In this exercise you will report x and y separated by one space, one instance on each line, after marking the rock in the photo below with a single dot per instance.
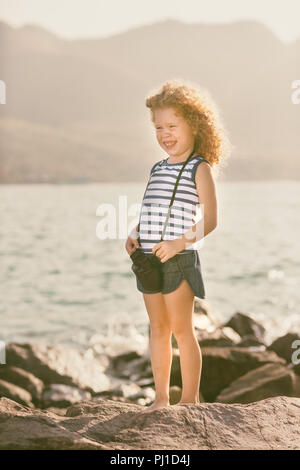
201 306
250 341
24 379
147 395
295 368
133 369
119 361
62 396
222 337
57 411
203 322
283 346
15 393
131 391
175 376
245 325
24 428
265 425
175 395
145 382
221 366
266 381
125 390
59 365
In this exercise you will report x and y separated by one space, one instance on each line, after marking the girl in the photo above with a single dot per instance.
187 125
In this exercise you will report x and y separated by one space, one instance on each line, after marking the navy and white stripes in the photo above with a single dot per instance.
185 210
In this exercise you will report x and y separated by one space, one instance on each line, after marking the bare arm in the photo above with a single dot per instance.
207 196
132 242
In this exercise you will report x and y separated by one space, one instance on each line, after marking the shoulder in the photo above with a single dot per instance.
204 181
155 166
201 165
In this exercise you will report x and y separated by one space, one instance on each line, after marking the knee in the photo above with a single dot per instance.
181 331
160 329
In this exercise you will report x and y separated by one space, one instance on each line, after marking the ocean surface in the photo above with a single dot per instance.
62 284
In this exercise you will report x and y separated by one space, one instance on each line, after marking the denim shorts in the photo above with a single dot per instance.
174 270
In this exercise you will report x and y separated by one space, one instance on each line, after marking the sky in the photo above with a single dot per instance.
99 18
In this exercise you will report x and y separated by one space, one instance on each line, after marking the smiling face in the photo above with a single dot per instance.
173 133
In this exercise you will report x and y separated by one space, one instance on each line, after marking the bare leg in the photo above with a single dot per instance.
180 305
160 348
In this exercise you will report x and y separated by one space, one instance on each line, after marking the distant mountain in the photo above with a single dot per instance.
73 105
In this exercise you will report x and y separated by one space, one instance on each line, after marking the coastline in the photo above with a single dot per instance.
238 370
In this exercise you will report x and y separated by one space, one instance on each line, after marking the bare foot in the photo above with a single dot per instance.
156 405
188 403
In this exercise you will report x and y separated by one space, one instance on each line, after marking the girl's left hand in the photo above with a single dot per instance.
167 249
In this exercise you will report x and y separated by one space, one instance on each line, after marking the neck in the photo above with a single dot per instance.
178 160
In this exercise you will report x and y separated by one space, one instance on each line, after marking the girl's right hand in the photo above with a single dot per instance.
132 243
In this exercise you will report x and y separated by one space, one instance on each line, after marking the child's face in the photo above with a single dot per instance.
172 128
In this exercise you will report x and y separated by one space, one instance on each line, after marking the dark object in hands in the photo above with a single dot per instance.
149 275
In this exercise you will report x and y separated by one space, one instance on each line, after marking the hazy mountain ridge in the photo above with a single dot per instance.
94 90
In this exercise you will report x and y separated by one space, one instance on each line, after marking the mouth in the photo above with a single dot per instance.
170 143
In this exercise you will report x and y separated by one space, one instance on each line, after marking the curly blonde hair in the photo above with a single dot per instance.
197 107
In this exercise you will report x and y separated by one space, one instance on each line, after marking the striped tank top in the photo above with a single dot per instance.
186 210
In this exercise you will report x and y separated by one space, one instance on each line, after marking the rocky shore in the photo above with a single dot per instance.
54 397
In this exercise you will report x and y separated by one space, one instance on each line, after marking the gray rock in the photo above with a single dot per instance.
133 369
131 392
245 325
250 341
145 382
283 346
270 380
24 379
56 364
271 424
57 411
221 366
121 359
15 393
25 428
201 306
62 396
223 336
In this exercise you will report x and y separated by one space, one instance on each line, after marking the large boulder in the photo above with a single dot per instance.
283 346
24 379
221 366
25 428
131 366
15 393
223 336
270 380
245 326
58 365
271 424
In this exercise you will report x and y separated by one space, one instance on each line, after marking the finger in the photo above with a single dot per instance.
156 247
159 252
